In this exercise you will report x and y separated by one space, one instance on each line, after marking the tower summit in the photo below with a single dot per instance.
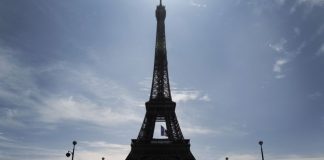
160 90
160 108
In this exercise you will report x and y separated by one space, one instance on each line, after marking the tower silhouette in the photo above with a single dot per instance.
160 108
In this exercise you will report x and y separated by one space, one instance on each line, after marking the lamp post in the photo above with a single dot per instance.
68 154
261 143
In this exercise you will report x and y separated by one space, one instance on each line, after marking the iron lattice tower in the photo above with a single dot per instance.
160 108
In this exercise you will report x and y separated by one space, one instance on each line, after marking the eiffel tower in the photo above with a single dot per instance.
160 108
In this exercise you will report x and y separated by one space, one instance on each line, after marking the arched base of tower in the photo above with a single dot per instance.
160 149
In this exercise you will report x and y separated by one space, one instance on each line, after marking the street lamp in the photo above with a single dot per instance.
261 143
68 154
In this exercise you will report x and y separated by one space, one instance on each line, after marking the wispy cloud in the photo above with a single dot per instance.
251 156
16 89
98 149
182 96
145 84
193 130
196 3
179 95
320 50
285 55
30 151
4 138
229 130
298 157
297 31
78 109
319 31
277 67
104 144
311 2
205 98
280 2
279 46
315 95
98 100
10 118
83 151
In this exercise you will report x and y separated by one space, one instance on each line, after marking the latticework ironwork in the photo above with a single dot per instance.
160 107
164 112
160 90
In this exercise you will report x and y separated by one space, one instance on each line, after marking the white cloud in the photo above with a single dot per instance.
193 130
85 150
98 149
101 144
320 30
280 76
277 68
297 31
179 95
108 154
16 80
229 130
279 47
4 138
293 8
311 2
280 2
278 65
320 50
182 96
298 157
78 109
285 54
205 98
197 4
5 66
24 151
101 102
146 84
9 118
257 156
315 95
18 91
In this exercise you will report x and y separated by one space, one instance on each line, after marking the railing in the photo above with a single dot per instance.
162 141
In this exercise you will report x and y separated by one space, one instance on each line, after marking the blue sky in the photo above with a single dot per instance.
241 71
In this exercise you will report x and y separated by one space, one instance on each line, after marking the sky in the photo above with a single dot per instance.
241 71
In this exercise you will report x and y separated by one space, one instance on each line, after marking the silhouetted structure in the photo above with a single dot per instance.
68 154
261 143
160 108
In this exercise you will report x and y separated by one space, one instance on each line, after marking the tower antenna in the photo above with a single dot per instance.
160 2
